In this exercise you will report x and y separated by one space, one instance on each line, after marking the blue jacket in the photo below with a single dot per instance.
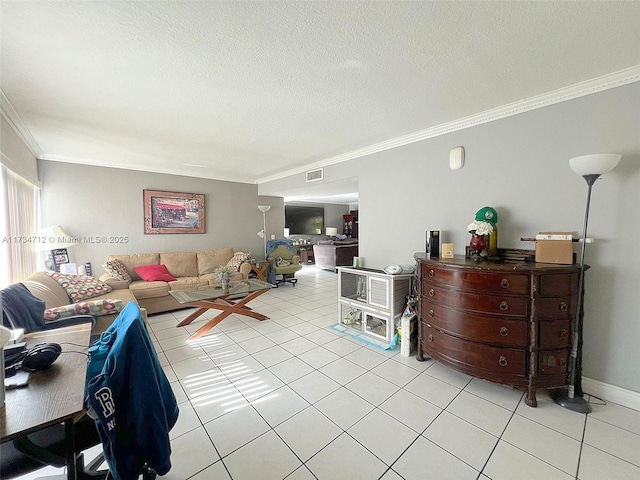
132 400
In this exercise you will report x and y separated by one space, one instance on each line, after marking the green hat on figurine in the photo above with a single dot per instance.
487 214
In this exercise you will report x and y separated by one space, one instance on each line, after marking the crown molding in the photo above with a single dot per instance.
589 87
144 168
18 126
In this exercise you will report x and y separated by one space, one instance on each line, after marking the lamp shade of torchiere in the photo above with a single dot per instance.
263 233
590 167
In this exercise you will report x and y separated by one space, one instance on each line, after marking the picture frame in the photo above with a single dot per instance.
60 257
173 212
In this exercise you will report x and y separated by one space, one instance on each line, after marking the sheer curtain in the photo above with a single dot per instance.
19 204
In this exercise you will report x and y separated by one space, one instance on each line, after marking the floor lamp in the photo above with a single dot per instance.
263 233
590 167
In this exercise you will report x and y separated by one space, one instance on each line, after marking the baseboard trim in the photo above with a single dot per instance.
621 396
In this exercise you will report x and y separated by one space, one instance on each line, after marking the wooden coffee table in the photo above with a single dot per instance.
233 300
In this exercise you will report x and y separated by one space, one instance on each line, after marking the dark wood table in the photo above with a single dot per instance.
53 396
233 300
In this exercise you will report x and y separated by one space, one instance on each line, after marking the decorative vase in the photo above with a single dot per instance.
225 286
478 244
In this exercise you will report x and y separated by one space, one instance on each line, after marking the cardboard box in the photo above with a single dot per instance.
558 248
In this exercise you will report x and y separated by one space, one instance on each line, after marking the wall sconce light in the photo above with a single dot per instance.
456 158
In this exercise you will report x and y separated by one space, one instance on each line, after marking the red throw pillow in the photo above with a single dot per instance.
153 273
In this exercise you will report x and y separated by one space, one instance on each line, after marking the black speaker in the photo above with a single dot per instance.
433 246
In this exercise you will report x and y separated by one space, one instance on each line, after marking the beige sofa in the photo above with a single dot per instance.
191 269
41 285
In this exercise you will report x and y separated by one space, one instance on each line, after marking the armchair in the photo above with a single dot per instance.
285 263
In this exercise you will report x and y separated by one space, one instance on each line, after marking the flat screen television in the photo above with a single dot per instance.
304 220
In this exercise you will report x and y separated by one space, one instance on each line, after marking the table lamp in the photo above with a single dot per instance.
590 167
331 231
53 238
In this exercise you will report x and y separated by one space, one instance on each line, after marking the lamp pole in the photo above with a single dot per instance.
590 167
568 399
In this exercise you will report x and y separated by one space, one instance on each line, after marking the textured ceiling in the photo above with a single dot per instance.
245 91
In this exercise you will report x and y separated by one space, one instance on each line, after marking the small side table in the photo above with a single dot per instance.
306 256
260 269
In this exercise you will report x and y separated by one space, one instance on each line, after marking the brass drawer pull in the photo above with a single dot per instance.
503 361
564 307
430 338
564 333
504 331
432 273
431 313
432 292
562 362
504 283
504 306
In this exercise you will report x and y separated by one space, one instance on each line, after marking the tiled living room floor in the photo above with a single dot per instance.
291 398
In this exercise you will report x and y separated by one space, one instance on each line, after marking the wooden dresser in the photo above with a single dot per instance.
508 322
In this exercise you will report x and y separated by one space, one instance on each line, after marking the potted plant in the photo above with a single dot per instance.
222 276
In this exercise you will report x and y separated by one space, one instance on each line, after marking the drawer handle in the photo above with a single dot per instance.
430 338
504 306
504 283
432 273
564 333
503 361
431 313
562 362
504 331
432 292
564 307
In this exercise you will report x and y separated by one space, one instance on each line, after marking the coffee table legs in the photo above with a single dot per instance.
227 306
260 270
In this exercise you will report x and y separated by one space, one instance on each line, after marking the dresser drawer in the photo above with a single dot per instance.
554 307
474 302
554 285
480 328
553 362
555 334
507 284
493 359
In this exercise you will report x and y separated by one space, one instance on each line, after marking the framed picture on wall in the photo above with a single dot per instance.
173 212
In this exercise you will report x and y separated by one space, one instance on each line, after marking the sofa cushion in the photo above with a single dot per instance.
136 260
117 270
187 282
97 308
80 287
180 264
238 259
154 273
209 260
142 289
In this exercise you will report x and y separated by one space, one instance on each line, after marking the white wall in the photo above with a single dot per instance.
108 202
520 166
